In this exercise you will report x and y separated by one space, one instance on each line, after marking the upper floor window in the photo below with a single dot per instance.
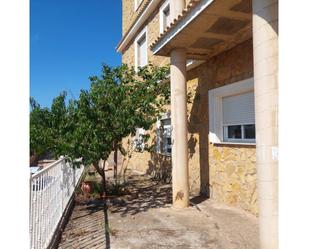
232 113
141 49
137 4
165 16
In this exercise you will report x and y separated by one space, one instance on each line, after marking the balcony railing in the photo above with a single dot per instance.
50 192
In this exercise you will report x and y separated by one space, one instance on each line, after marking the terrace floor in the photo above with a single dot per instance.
145 219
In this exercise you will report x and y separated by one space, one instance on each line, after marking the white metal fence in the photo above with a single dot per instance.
50 192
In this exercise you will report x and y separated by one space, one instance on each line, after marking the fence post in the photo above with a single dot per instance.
62 180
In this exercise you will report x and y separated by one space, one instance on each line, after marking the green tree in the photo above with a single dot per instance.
117 103
40 132
51 128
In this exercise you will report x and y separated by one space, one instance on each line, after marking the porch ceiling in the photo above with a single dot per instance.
207 28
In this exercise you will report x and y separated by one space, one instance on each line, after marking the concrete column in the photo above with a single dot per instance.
265 50
180 129
177 7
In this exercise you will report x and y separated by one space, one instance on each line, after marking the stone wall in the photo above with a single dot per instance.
153 26
225 173
129 13
147 161
233 176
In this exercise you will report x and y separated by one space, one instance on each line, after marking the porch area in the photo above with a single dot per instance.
204 30
145 219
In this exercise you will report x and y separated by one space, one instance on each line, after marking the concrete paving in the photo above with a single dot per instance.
145 219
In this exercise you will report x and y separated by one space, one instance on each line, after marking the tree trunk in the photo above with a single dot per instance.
115 164
102 174
104 181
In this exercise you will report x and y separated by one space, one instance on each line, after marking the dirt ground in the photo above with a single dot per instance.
144 218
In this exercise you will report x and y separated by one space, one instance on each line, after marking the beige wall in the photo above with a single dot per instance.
153 26
227 173
129 13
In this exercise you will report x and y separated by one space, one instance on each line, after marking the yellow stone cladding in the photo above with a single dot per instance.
232 174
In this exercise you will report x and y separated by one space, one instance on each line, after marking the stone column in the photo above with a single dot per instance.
177 7
180 129
265 50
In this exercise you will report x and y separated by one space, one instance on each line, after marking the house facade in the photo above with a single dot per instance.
220 136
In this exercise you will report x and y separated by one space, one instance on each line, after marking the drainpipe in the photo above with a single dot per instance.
265 51
179 119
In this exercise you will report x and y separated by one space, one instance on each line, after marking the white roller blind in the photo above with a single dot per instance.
238 109
142 52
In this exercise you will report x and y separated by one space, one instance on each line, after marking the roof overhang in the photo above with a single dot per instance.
138 23
206 28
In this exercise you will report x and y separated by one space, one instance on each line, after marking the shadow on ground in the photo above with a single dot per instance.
144 195
142 219
89 224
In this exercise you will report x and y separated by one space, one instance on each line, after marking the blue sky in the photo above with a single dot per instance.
69 41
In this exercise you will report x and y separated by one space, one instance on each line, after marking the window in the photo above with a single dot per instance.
238 117
232 114
138 142
164 136
137 4
165 16
141 50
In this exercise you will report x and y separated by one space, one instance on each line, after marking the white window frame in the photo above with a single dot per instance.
237 140
159 126
162 16
137 4
136 41
216 134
